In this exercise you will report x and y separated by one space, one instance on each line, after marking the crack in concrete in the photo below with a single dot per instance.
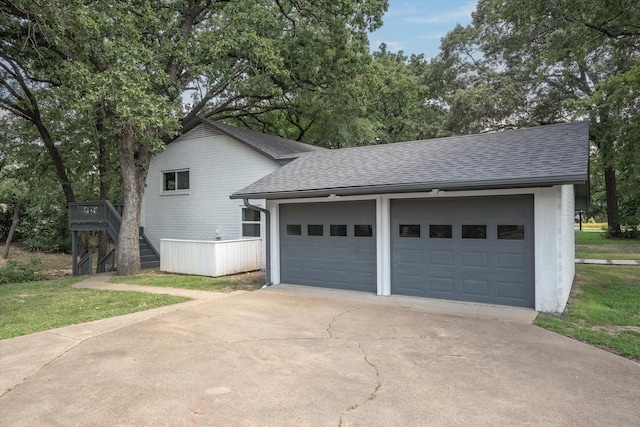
373 394
333 321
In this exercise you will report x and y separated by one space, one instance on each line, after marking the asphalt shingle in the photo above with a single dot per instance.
274 147
543 155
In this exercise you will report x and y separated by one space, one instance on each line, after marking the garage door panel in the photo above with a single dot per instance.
511 261
312 252
440 258
315 274
410 285
334 253
339 276
496 267
296 273
361 278
442 285
475 260
475 288
511 290
333 260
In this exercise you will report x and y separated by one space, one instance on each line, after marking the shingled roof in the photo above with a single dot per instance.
530 157
274 147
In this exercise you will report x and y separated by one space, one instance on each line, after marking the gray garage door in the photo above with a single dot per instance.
331 245
471 249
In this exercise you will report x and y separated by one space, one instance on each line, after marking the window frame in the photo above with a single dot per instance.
175 172
244 222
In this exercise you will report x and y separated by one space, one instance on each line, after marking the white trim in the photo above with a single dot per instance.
175 191
243 222
383 244
329 199
274 208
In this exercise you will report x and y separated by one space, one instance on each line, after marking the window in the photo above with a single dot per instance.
175 180
250 223
338 230
409 230
474 231
440 231
294 230
511 232
315 230
362 230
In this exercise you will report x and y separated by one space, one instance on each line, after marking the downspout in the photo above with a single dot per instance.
267 270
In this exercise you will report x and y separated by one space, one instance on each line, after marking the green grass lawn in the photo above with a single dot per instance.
605 311
245 281
36 306
595 245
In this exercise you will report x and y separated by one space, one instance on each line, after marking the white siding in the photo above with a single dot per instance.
218 166
566 240
210 258
555 247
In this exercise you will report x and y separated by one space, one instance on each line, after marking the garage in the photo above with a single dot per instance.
478 249
331 245
450 218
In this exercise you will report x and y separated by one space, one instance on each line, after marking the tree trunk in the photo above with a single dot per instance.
103 236
613 213
12 229
134 162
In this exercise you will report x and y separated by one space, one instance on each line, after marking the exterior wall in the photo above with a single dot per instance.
210 258
555 247
567 245
218 166
553 230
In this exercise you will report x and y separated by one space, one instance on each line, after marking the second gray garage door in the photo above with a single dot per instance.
331 245
472 249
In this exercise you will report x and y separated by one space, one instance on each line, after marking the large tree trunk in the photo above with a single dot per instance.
604 139
12 229
613 213
134 162
103 236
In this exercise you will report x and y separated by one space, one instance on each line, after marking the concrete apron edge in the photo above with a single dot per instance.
501 313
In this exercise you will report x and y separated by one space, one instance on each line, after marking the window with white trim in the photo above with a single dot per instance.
250 223
176 180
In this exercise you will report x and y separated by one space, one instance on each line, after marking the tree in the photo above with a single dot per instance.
134 62
577 53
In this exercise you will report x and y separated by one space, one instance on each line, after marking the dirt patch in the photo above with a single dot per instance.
616 329
50 265
576 289
246 281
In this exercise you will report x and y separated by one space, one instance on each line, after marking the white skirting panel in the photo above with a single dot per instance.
210 258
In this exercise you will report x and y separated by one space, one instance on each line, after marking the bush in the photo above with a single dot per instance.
17 272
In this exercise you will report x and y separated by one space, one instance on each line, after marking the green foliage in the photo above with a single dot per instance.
119 71
605 312
536 62
26 308
16 271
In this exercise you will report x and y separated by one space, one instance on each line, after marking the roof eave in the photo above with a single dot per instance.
415 188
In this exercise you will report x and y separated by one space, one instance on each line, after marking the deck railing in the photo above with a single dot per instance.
102 215
84 266
108 262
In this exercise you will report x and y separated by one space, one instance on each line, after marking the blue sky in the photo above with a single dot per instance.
416 26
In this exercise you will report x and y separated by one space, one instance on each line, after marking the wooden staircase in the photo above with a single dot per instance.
102 215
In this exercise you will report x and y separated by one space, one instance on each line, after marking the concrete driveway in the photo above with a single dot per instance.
296 356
